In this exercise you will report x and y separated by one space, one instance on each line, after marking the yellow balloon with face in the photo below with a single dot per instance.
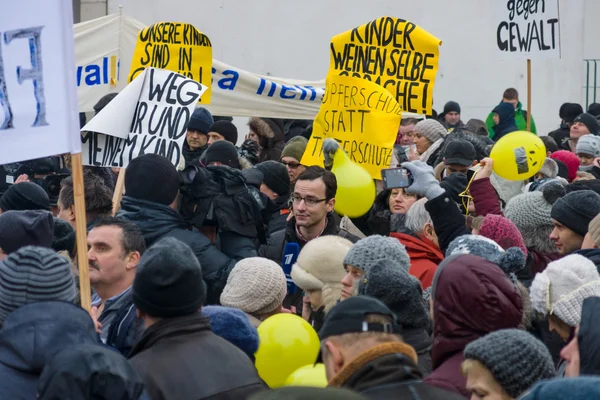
518 156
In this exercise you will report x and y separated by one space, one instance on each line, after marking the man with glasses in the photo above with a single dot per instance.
291 155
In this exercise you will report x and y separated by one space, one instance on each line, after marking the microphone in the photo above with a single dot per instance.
290 255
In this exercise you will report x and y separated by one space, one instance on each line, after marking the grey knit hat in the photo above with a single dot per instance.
576 210
515 358
388 282
32 275
365 253
588 144
256 286
431 129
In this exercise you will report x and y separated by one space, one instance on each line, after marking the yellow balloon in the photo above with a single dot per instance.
287 342
518 156
309 375
355 187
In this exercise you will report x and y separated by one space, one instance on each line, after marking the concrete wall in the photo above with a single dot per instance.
290 39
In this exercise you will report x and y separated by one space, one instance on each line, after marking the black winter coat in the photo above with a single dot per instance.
180 358
448 221
589 337
157 221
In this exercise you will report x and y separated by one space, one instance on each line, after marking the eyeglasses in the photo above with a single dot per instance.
291 165
309 201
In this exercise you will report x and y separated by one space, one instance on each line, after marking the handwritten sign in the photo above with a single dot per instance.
394 53
527 29
159 117
362 116
175 47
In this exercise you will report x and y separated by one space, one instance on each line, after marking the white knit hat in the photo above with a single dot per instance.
320 266
256 286
561 288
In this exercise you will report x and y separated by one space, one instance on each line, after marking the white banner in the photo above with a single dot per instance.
38 104
104 49
149 116
527 29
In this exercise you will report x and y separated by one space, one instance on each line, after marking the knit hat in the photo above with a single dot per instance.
225 129
368 251
510 261
152 178
516 359
275 176
550 168
593 229
588 144
295 148
451 106
561 288
256 286
64 236
103 102
570 160
25 228
431 129
593 109
590 122
582 388
388 282
222 152
320 266
32 275
25 196
201 121
168 281
89 371
234 326
502 231
576 210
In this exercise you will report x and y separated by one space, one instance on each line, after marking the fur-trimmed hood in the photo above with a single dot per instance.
271 137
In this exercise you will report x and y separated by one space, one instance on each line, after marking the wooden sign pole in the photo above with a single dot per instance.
118 194
81 232
528 95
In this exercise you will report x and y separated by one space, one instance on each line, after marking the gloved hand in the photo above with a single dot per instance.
424 182
330 146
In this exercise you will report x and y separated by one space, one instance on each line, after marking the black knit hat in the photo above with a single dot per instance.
225 129
222 152
576 210
590 122
25 228
25 196
64 236
451 106
275 176
168 281
201 120
152 178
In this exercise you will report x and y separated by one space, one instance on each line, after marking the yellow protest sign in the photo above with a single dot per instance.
362 116
394 53
175 47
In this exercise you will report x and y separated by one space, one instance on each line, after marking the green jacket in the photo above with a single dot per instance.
519 119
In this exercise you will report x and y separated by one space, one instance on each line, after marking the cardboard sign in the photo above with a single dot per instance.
394 53
527 29
362 116
175 47
154 117
38 100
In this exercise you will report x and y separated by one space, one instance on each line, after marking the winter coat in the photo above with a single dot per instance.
271 137
448 221
536 263
424 257
180 358
387 371
421 341
280 213
275 246
192 157
507 123
589 337
561 136
520 119
157 221
472 297
485 197
592 254
29 338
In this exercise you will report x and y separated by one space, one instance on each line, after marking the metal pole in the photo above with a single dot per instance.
595 78
587 83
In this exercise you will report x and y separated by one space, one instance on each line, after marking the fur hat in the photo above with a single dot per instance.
320 266
368 251
561 288
550 168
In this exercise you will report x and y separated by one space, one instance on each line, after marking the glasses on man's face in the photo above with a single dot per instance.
309 201
291 165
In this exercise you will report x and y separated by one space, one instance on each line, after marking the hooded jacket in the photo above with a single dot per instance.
31 336
507 123
271 137
181 358
589 337
592 254
471 297
157 221
520 119
388 371
424 257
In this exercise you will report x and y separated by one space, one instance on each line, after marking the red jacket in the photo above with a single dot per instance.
424 257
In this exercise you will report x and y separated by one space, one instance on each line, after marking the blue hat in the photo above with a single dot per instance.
234 326
201 121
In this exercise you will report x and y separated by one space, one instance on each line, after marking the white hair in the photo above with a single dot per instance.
417 216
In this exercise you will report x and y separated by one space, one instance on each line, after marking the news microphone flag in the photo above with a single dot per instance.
290 255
